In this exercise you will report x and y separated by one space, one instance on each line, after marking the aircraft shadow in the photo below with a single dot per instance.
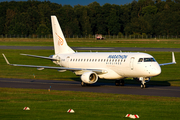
129 83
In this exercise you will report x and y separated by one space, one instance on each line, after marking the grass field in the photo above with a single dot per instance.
157 43
46 105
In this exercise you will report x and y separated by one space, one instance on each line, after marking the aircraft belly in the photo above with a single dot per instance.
110 75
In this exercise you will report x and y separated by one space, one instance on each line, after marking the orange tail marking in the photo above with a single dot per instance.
60 42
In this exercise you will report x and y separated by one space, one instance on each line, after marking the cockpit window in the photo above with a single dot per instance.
146 60
149 60
140 60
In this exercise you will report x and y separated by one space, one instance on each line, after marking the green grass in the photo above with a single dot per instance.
169 75
46 105
162 43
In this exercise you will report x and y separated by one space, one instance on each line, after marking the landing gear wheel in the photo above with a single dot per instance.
117 83
83 84
143 86
122 82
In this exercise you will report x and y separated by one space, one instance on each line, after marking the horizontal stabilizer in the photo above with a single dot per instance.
43 57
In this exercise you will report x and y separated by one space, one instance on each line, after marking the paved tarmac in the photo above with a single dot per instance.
93 48
168 91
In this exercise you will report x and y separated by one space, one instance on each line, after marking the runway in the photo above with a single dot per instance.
167 91
128 49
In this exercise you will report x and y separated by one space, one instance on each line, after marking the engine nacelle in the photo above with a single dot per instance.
89 77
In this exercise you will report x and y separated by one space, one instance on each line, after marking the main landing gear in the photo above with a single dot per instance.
84 84
119 82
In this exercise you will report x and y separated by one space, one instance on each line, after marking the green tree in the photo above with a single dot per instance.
113 20
42 30
33 19
149 10
94 11
18 29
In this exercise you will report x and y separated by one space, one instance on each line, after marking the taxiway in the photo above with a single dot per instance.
167 91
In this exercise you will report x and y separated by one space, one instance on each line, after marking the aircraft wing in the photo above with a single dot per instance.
173 61
98 71
43 57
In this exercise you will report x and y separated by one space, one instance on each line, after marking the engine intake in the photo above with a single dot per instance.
89 77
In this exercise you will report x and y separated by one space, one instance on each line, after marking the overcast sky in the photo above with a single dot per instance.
83 2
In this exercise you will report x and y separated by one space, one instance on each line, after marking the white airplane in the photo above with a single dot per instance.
93 65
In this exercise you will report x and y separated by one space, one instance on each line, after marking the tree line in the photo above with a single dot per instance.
142 17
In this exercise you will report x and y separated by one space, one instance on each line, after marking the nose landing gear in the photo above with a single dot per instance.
143 81
143 86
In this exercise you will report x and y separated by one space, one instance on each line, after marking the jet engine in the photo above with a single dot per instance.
89 77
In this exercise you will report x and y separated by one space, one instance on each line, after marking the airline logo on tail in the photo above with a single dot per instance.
60 41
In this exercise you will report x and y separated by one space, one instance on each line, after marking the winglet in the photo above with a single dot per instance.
5 59
173 61
173 58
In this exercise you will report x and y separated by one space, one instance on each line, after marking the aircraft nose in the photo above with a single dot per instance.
156 70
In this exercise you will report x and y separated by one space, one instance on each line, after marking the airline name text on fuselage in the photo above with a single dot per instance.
118 56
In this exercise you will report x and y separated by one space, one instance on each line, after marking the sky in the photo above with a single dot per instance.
83 2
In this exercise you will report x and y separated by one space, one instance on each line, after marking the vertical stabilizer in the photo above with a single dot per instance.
60 44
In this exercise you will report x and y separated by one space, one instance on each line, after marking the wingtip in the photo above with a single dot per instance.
173 58
5 59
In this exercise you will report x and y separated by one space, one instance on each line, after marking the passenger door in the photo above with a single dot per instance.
132 63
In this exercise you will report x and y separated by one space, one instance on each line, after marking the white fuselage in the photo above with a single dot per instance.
118 65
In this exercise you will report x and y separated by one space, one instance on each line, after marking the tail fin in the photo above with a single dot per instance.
60 44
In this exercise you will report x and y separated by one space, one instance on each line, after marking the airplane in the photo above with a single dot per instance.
93 65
